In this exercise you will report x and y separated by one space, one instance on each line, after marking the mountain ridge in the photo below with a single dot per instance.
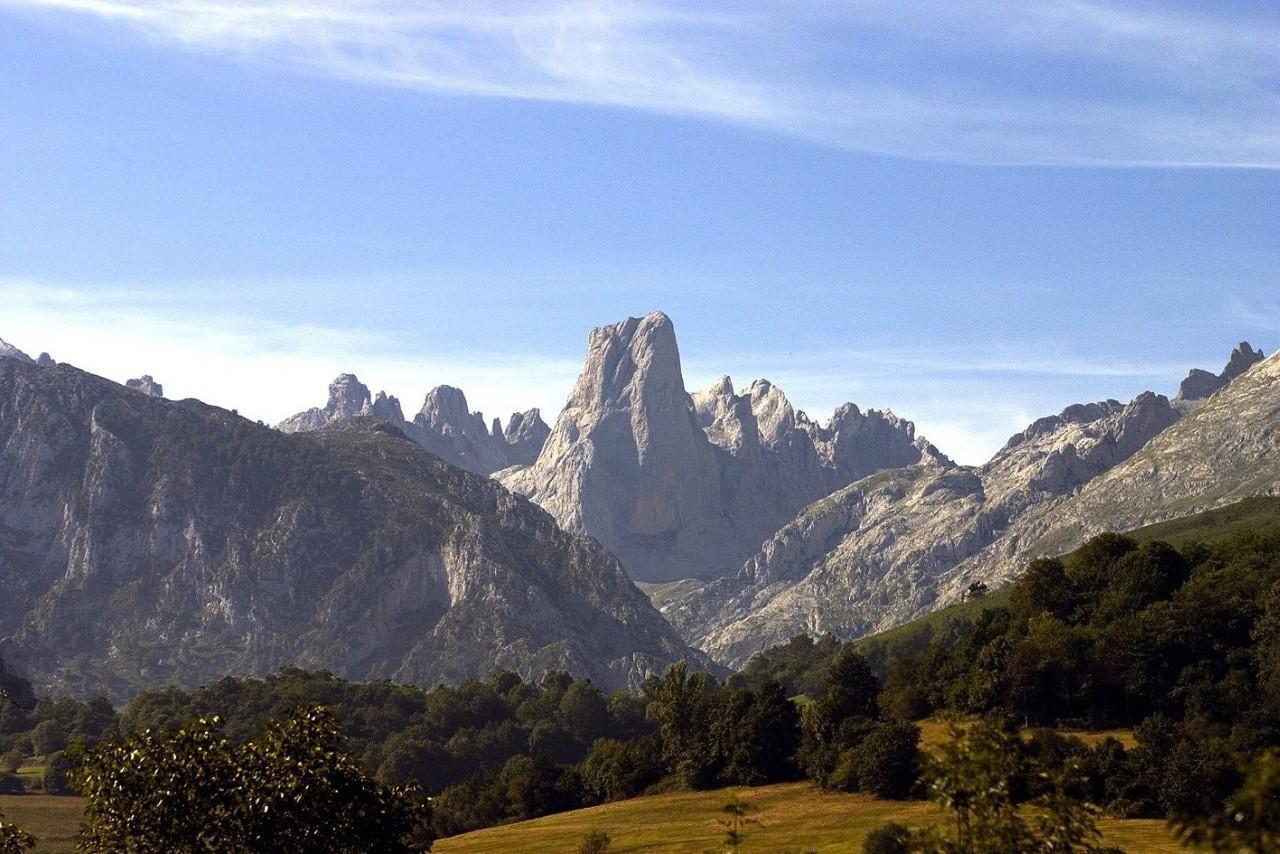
146 541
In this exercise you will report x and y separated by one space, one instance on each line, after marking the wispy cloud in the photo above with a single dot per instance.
1261 316
1061 82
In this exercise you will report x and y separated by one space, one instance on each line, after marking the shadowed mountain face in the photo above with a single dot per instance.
683 486
897 544
146 542
444 426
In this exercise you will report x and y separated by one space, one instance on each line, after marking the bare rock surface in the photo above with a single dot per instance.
8 351
444 425
894 545
688 486
147 385
145 542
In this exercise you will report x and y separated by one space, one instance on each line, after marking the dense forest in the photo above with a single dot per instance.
1180 644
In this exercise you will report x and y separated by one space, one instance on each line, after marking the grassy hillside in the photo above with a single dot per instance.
793 817
1258 515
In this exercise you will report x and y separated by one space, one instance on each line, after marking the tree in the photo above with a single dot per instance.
756 734
48 737
841 717
620 769
975 780
291 789
886 763
12 759
57 773
13 839
594 842
1250 823
681 708
737 818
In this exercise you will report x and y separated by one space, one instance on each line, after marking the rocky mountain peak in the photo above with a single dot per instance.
348 397
8 351
773 411
634 364
1200 384
525 435
681 485
447 405
445 426
1243 357
147 385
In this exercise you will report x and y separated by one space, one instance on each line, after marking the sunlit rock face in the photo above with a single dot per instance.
146 542
894 545
444 425
688 486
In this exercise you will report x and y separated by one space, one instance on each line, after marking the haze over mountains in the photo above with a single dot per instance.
223 546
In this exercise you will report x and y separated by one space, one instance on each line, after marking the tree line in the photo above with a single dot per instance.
1181 644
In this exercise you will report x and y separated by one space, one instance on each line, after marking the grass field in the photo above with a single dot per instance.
793 817
935 732
54 821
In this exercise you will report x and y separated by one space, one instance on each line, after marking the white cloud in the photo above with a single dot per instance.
1060 82
266 370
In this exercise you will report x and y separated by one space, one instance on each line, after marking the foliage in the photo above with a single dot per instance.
889 838
594 842
1250 821
291 789
978 781
737 818
13 839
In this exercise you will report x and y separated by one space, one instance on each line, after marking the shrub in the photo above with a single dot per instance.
57 774
594 842
887 761
891 838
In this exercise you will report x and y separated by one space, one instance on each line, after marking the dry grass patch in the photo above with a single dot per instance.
793 817
53 820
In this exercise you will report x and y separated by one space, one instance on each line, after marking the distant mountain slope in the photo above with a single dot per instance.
894 545
445 425
681 485
1260 515
144 542
1226 450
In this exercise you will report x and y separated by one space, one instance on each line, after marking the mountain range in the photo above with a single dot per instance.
145 541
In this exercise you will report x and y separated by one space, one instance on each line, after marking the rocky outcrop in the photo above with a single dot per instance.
688 486
147 385
8 351
444 425
1228 449
874 553
525 435
145 542
1200 384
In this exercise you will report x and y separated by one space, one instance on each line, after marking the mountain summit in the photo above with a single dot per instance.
681 485
444 425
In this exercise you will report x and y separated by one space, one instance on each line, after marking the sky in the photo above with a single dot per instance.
973 214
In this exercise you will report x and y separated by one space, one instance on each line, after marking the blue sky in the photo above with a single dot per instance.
972 213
